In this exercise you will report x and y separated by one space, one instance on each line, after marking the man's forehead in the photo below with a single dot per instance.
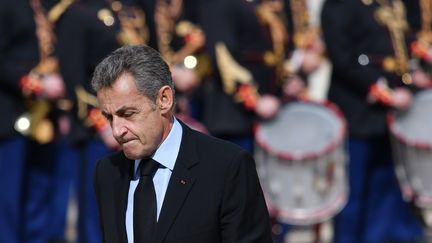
114 102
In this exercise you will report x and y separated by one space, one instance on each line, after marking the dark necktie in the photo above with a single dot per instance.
144 218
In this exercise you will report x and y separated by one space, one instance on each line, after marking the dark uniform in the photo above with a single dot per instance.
27 171
413 12
18 55
235 24
357 45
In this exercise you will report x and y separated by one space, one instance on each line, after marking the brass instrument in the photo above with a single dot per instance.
35 123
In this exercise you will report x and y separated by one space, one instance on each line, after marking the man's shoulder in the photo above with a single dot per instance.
211 146
113 157
113 163
209 140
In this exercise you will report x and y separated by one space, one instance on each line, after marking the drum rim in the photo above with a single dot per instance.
391 120
420 200
403 139
333 145
318 215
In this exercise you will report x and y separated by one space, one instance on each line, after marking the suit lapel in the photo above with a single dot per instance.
120 192
180 184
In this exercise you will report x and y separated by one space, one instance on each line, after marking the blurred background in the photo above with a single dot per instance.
332 97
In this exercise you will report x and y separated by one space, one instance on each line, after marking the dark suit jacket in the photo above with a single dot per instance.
221 201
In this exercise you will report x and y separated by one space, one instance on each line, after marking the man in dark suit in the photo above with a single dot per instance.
203 189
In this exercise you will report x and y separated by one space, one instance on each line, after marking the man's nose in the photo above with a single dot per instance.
118 127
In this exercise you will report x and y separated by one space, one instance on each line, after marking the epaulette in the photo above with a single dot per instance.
58 9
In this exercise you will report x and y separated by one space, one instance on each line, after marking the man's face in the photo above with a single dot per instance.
135 120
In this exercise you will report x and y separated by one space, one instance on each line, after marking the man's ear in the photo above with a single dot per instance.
165 99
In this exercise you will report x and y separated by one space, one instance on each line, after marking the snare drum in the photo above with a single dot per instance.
411 136
301 162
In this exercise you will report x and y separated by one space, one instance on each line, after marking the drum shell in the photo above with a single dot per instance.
307 188
413 167
411 137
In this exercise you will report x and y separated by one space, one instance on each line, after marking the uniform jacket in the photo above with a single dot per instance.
235 23
357 45
18 55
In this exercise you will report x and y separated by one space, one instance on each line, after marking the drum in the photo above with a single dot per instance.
301 162
411 136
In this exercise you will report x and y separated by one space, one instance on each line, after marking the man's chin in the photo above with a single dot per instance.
130 154
133 151
133 154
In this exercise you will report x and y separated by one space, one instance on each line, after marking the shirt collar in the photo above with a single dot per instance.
167 153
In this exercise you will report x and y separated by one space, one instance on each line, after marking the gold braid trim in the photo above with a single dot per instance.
426 14
168 25
133 26
300 15
166 16
46 40
271 15
425 34
393 17
58 9
84 99
231 72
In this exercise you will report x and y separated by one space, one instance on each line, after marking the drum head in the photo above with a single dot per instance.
414 126
411 133
302 130
301 163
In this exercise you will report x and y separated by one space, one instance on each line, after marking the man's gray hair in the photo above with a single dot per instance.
142 62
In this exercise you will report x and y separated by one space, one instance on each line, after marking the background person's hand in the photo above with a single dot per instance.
185 79
401 98
53 86
294 87
267 106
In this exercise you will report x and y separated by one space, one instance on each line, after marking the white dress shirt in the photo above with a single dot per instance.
166 156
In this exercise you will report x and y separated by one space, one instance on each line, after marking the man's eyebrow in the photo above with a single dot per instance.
105 114
123 109
120 111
